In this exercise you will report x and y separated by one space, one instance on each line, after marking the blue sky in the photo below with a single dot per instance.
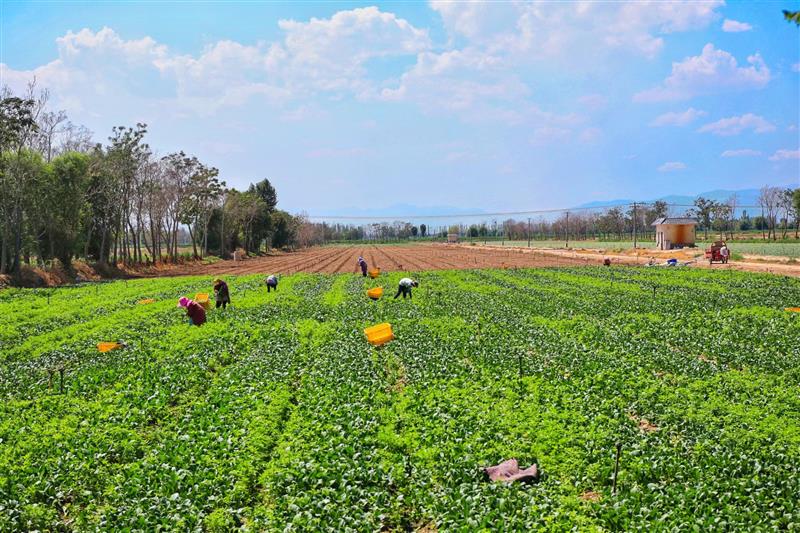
494 106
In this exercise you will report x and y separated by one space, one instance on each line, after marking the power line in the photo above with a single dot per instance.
501 213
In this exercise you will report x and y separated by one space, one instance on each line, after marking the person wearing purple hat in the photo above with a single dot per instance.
195 311
363 264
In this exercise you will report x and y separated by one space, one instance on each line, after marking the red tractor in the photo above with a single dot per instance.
717 252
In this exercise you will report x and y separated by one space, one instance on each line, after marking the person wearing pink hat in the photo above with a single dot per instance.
195 311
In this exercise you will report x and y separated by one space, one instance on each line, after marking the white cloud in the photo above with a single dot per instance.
319 56
734 26
711 72
92 66
782 155
577 30
461 81
671 166
745 152
676 118
334 52
736 125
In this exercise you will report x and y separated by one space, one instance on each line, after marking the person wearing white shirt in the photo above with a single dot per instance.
405 287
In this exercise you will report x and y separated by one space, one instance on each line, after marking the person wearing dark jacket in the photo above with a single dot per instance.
363 264
222 294
272 282
405 287
195 311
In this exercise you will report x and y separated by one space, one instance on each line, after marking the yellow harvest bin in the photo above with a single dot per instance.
375 293
202 299
793 309
374 273
108 346
380 334
145 301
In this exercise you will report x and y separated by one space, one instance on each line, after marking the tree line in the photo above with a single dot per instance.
778 213
66 197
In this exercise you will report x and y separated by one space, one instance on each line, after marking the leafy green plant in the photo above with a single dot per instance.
277 414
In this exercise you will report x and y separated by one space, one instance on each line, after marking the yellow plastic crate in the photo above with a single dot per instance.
146 301
379 334
375 293
374 272
108 346
202 299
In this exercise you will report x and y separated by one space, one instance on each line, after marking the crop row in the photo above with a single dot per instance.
277 414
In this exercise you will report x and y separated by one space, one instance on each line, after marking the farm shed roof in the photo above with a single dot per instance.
674 220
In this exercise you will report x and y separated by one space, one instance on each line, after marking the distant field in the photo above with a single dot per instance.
599 245
762 248
791 249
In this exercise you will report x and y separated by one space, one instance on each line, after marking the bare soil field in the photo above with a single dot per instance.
417 257
332 259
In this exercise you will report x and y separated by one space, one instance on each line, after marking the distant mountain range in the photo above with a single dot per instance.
443 215
746 200
744 197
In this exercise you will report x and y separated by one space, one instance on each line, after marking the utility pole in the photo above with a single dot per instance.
529 232
567 232
634 225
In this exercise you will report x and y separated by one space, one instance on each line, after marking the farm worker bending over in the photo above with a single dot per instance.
221 292
405 287
724 252
272 282
195 311
363 265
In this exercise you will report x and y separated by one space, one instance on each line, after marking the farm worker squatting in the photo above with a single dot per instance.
363 265
272 282
222 294
195 311
405 287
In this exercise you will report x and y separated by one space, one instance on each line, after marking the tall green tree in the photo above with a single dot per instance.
282 229
66 202
16 118
704 210
22 175
204 189
796 203
264 190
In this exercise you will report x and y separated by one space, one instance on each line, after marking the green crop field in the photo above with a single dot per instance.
277 415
